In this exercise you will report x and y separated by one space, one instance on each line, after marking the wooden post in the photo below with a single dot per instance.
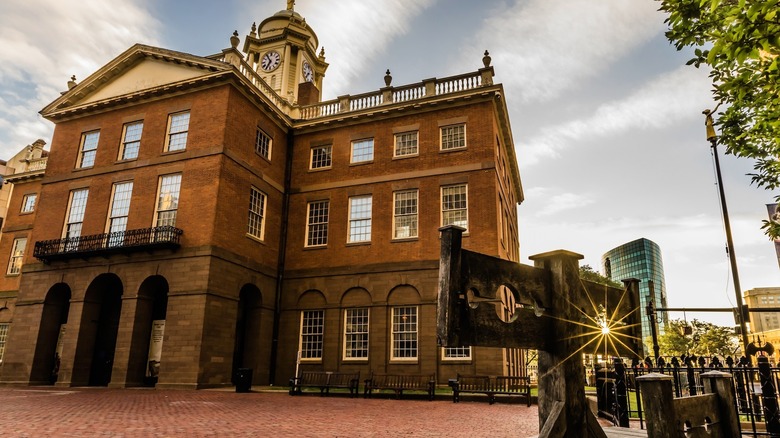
718 382
562 381
658 397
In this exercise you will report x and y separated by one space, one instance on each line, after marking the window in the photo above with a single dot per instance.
256 226
356 333
28 202
360 219
3 337
405 144
405 214
453 137
454 206
131 141
404 333
178 126
17 256
321 157
167 200
312 324
457 353
362 151
117 213
263 144
317 223
89 144
72 231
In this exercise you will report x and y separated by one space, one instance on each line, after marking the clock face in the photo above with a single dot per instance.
270 61
308 73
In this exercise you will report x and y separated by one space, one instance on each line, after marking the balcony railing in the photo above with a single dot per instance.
143 239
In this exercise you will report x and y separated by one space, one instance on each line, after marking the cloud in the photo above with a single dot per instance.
357 32
550 46
44 42
555 203
663 101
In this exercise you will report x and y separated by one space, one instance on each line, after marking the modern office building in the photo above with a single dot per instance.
200 214
763 297
640 259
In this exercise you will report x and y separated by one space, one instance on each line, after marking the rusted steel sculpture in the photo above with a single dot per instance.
549 309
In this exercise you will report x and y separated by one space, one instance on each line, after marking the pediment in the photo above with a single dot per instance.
137 70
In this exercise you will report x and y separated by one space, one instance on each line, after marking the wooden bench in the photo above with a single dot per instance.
400 383
491 386
324 381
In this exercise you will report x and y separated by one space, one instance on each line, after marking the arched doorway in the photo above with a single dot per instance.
48 347
149 327
97 335
247 340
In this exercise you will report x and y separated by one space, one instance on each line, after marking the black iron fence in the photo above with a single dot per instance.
121 241
755 389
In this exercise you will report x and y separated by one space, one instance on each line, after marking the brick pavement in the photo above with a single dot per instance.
100 412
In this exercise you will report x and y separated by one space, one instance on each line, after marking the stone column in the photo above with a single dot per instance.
658 398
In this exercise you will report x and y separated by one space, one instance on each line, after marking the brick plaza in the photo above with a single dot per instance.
101 412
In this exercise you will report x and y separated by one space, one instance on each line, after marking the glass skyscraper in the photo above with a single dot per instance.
640 259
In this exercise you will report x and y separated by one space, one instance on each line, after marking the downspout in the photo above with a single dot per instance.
280 262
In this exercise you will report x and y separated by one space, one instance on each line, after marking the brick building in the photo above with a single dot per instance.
203 214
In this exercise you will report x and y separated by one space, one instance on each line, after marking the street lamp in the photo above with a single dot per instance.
712 137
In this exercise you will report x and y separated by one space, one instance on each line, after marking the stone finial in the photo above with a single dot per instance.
234 39
322 53
72 82
388 78
290 5
486 59
253 32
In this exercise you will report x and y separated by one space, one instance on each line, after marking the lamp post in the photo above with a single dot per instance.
712 137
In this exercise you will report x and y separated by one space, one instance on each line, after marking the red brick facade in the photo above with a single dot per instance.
218 291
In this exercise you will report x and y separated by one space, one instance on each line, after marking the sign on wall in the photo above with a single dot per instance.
155 348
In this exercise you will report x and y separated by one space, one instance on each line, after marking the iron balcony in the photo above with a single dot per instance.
144 239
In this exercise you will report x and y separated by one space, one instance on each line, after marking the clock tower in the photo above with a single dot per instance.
283 51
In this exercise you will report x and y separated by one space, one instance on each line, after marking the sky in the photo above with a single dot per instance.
605 115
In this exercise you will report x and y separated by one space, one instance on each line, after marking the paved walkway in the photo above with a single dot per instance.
99 412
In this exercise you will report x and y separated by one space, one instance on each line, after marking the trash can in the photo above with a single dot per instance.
244 380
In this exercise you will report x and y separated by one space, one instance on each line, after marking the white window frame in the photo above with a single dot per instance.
400 151
362 151
258 201
317 223
77 206
176 139
357 323
311 339
402 331
17 256
323 159
263 144
87 156
449 205
456 354
167 201
400 216
3 338
118 212
28 202
450 139
360 218
131 140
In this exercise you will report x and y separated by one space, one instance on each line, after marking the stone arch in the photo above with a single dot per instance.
148 328
356 296
312 299
98 330
403 294
246 345
48 347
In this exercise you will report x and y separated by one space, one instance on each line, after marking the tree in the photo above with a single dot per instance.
705 339
740 41
588 273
